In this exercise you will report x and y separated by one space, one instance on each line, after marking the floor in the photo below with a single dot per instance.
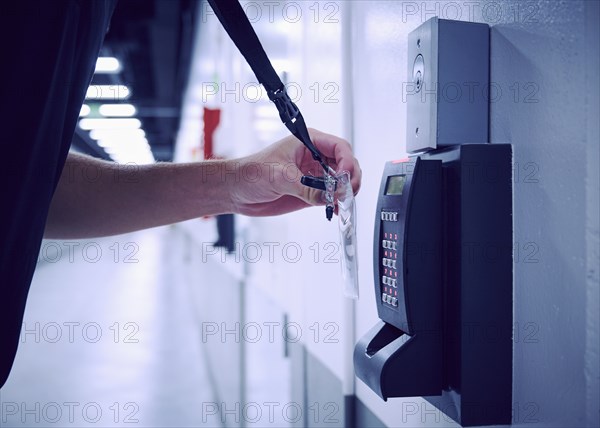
108 340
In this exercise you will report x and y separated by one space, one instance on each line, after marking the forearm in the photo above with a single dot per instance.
98 198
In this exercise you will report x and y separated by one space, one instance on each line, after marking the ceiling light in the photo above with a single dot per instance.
117 110
107 134
107 65
108 92
85 110
89 124
122 142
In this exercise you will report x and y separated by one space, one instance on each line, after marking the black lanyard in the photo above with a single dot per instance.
236 23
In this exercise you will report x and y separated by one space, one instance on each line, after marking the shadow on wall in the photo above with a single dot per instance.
537 104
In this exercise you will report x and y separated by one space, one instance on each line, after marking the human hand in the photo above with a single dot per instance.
270 179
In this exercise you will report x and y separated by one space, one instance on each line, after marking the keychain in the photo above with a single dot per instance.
328 184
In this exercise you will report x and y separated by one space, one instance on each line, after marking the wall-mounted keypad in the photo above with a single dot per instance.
389 262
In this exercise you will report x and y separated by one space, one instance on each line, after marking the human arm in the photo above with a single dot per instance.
98 198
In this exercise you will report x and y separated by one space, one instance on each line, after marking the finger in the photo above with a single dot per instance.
340 150
335 148
356 178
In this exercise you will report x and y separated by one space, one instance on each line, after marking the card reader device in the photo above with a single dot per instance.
408 283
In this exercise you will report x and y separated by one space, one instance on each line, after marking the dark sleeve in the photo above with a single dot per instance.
48 51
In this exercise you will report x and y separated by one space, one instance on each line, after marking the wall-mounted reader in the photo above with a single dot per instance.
408 284
443 241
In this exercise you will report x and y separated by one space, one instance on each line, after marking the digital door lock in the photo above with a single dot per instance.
437 213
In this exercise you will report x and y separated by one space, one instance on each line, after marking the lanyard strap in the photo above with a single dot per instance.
236 23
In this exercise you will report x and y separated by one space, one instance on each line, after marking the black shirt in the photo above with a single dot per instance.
48 50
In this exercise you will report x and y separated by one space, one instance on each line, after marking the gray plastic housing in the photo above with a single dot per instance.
448 85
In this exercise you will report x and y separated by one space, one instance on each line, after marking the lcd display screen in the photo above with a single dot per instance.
395 184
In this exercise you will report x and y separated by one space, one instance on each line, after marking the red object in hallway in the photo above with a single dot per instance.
212 118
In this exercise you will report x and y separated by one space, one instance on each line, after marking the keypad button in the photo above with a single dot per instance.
384 280
394 301
393 264
388 298
384 297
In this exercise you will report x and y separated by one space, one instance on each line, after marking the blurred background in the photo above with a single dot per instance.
162 328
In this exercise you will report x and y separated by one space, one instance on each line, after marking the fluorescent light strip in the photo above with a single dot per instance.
125 142
107 92
117 110
107 134
107 65
89 124
85 110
